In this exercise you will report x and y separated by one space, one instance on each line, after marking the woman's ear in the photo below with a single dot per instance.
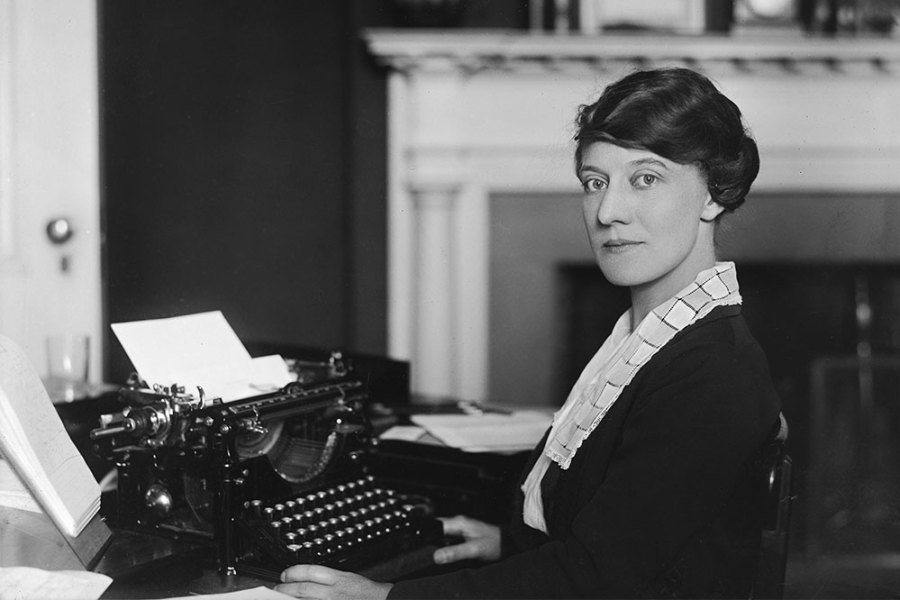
711 209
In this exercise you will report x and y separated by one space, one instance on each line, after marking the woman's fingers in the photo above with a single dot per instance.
457 525
311 573
323 583
464 551
304 590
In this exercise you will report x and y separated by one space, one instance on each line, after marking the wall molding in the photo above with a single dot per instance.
475 52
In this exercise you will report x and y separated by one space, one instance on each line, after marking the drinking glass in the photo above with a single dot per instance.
68 360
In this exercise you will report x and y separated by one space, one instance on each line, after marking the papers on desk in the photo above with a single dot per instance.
257 593
199 350
26 583
489 432
37 447
13 492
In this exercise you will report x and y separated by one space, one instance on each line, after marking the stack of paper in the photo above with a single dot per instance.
199 350
35 443
13 492
488 432
26 583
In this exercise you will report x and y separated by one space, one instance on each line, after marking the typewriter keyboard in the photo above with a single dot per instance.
350 526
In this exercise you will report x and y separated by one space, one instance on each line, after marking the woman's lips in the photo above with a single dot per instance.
617 246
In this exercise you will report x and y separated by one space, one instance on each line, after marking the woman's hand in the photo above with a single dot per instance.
316 581
482 541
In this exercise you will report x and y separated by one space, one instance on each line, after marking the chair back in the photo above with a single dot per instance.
777 500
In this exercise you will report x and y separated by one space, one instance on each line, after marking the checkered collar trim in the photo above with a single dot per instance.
713 287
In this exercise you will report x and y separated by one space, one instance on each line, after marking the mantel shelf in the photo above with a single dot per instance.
474 51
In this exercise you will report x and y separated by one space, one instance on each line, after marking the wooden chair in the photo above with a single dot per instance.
777 500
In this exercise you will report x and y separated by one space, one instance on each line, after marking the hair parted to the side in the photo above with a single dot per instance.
680 115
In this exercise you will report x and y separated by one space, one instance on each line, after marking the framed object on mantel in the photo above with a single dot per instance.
767 16
674 16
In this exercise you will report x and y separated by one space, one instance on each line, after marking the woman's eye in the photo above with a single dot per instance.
645 180
593 185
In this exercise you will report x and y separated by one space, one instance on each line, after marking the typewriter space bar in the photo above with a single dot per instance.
403 566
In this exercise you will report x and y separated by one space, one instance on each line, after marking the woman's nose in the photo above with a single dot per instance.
614 207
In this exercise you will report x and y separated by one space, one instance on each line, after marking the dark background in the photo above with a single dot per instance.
243 166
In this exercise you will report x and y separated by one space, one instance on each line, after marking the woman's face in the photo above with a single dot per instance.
649 219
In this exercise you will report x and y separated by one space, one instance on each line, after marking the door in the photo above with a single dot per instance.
49 172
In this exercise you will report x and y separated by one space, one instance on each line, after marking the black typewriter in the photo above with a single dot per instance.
274 480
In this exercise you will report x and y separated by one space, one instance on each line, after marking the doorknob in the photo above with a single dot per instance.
59 230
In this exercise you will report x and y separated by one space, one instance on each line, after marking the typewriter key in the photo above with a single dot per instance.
255 508
279 510
340 539
360 532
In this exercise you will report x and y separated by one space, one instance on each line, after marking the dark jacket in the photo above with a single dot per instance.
662 499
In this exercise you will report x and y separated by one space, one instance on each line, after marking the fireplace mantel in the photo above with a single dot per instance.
478 51
476 114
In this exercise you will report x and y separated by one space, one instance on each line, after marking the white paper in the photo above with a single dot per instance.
199 350
26 583
257 593
37 446
404 433
519 430
13 493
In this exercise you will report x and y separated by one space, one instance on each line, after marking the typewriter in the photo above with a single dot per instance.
274 480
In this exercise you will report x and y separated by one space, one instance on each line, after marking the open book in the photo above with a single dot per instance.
34 442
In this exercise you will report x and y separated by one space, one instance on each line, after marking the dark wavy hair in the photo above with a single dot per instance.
680 115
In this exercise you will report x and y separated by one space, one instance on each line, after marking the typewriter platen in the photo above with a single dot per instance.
274 480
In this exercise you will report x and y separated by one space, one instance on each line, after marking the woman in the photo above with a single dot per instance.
645 483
